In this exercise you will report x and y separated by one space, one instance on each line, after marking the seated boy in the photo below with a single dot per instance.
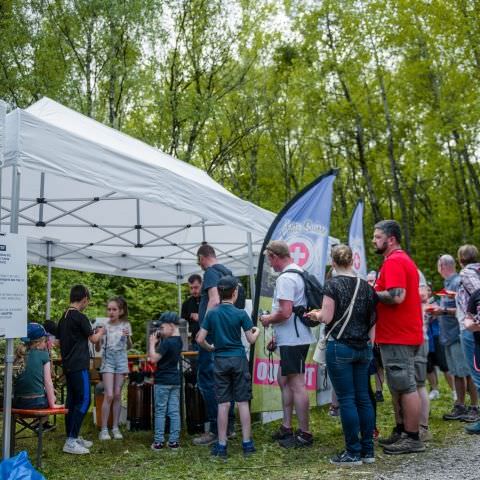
166 354
223 325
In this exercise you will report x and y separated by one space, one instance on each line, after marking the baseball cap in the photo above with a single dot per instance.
34 332
169 317
277 247
227 283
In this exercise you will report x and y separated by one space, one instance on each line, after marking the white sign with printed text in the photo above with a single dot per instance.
13 285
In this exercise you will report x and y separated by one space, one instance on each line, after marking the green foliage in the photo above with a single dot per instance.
265 96
132 458
145 299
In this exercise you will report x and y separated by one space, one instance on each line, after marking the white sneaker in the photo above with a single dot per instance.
104 435
117 435
84 443
75 448
434 395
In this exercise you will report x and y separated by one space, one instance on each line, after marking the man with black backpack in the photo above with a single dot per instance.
210 298
293 338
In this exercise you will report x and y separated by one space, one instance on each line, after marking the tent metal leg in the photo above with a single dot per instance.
179 287
49 281
251 267
9 356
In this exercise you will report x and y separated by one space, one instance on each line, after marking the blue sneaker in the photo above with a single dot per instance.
219 451
346 459
248 448
473 428
368 458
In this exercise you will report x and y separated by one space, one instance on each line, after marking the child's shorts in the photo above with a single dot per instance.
233 381
114 362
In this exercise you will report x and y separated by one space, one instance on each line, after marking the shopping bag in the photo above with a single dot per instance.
19 468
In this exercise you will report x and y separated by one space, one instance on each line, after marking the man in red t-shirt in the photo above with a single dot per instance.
399 334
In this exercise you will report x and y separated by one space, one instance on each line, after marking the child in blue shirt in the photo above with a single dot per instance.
223 325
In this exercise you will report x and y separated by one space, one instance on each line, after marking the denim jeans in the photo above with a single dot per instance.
468 345
78 401
348 371
167 403
206 385
30 403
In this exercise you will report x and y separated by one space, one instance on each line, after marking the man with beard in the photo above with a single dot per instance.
399 334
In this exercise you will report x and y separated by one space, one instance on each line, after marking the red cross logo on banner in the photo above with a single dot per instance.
356 261
300 253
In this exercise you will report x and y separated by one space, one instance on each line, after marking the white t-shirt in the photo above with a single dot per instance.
290 286
114 338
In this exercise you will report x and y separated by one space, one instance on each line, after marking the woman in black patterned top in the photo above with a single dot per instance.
349 302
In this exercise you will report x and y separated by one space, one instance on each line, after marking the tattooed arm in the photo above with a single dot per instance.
392 296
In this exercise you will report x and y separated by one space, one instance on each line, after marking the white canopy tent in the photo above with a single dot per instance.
94 199
91 198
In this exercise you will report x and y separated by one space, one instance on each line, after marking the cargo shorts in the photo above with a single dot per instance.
405 366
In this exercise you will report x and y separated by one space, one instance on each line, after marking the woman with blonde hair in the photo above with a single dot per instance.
32 384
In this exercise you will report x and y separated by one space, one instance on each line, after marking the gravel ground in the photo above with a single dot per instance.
459 460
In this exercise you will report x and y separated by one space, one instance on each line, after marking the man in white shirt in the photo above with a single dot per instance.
293 339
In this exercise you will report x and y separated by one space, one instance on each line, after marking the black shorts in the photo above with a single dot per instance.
437 358
292 359
233 382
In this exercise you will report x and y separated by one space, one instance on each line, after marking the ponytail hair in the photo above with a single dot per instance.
20 361
122 305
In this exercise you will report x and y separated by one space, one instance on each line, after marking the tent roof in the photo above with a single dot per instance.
109 203
95 199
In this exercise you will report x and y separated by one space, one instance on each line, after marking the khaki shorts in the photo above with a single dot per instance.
405 366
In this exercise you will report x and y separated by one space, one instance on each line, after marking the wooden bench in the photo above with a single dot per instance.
31 419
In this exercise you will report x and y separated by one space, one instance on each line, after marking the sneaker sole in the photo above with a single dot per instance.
73 452
396 452
470 432
368 461
346 464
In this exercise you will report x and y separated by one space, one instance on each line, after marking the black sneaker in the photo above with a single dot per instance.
393 438
298 440
157 446
173 445
282 433
406 444
379 396
345 459
457 413
471 416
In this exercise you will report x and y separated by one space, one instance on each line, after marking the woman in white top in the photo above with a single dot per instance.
114 345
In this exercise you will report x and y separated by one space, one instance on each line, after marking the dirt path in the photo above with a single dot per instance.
460 460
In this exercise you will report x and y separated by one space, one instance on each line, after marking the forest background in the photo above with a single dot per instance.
265 96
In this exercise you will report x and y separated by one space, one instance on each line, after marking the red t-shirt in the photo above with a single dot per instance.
399 324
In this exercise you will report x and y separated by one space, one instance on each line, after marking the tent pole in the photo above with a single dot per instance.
251 267
3 117
9 357
204 233
49 279
179 287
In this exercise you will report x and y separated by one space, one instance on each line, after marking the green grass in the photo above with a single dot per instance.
133 459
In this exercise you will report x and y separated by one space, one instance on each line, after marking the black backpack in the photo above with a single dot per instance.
313 294
241 297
